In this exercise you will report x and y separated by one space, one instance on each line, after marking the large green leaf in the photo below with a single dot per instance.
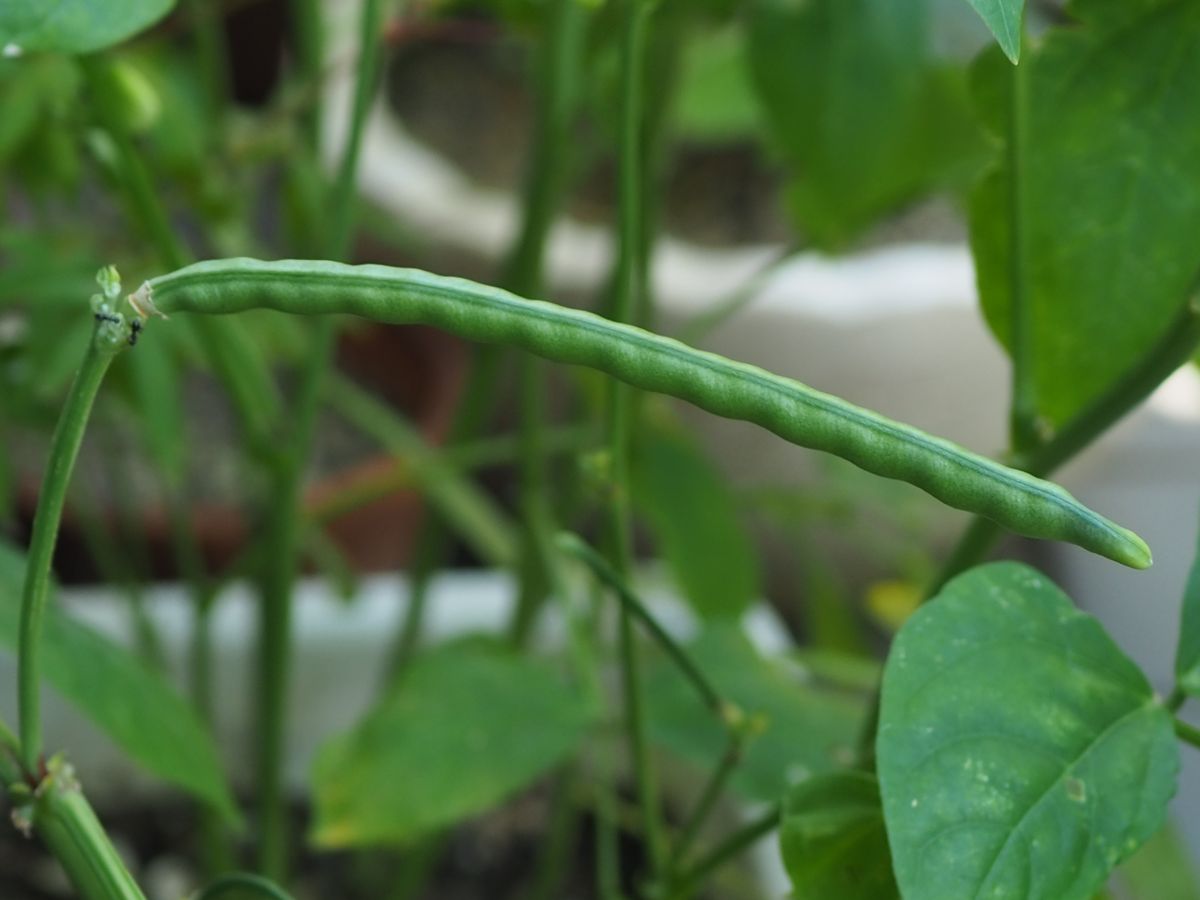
1091 211
468 725
1004 18
130 703
75 26
862 113
1187 653
808 730
833 840
694 516
1020 753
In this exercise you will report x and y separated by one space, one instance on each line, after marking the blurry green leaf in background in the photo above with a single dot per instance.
468 725
1103 207
74 26
693 514
862 113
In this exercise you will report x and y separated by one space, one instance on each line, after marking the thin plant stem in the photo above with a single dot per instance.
729 849
307 31
561 68
283 529
627 307
458 501
64 449
417 867
1175 700
241 883
717 781
1024 416
212 53
608 861
462 458
1189 734
703 324
554 857
604 571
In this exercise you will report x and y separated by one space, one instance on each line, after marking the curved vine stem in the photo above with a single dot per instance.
64 449
242 883
283 531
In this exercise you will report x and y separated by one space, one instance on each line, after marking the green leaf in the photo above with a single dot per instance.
130 703
833 840
1100 178
861 111
808 730
715 101
1003 17
75 26
694 516
468 725
1020 753
1187 652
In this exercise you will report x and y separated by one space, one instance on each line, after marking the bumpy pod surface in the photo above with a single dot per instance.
795 412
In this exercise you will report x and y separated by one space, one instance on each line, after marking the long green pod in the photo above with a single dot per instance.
793 411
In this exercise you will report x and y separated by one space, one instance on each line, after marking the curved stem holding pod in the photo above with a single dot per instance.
113 331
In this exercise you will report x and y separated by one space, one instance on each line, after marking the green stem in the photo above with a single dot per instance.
559 846
64 448
703 324
561 68
627 307
212 54
1175 700
242 883
1024 414
69 828
1189 734
307 30
283 530
727 850
708 799
458 501
574 546
462 458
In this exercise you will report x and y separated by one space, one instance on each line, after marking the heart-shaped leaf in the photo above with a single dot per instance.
1020 753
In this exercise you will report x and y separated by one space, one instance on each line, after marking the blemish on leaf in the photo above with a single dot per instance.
1076 790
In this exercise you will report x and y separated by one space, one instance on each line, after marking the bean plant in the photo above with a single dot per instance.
1007 748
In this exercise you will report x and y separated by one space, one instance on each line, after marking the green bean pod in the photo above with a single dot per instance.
795 412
